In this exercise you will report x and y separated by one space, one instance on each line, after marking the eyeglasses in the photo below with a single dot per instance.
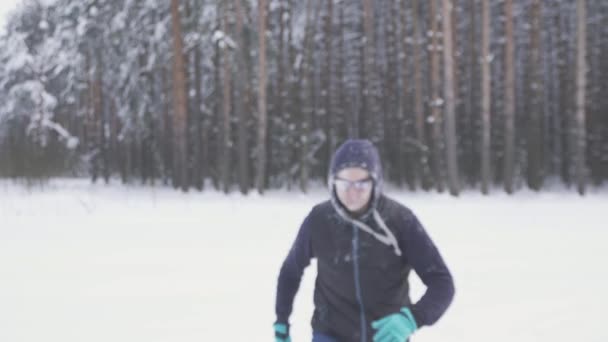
345 184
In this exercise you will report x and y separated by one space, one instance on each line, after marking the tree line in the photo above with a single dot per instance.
257 94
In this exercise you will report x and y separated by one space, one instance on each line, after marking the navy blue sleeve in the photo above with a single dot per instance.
291 272
424 257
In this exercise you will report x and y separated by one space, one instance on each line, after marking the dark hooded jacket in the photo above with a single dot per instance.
363 263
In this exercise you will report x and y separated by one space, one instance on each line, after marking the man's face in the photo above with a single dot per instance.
354 188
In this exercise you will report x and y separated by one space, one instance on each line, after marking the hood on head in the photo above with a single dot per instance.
356 153
363 154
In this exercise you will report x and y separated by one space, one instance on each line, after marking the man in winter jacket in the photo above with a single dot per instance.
365 244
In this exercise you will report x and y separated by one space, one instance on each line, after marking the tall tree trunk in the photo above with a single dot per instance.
374 115
152 134
180 100
535 123
581 83
593 112
291 96
103 133
241 99
450 120
91 130
114 131
457 59
200 135
97 121
147 133
470 143
307 111
196 131
485 97
436 100
340 117
358 120
368 75
419 112
98 107
391 99
226 149
261 148
406 151
326 91
214 118
564 103
277 124
509 164
168 142
604 94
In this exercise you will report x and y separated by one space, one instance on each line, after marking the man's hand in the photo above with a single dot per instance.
395 327
281 332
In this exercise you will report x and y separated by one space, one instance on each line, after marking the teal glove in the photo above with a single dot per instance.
281 332
396 327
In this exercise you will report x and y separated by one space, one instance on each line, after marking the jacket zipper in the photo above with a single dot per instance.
358 284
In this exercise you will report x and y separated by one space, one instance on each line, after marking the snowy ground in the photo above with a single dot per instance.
82 262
